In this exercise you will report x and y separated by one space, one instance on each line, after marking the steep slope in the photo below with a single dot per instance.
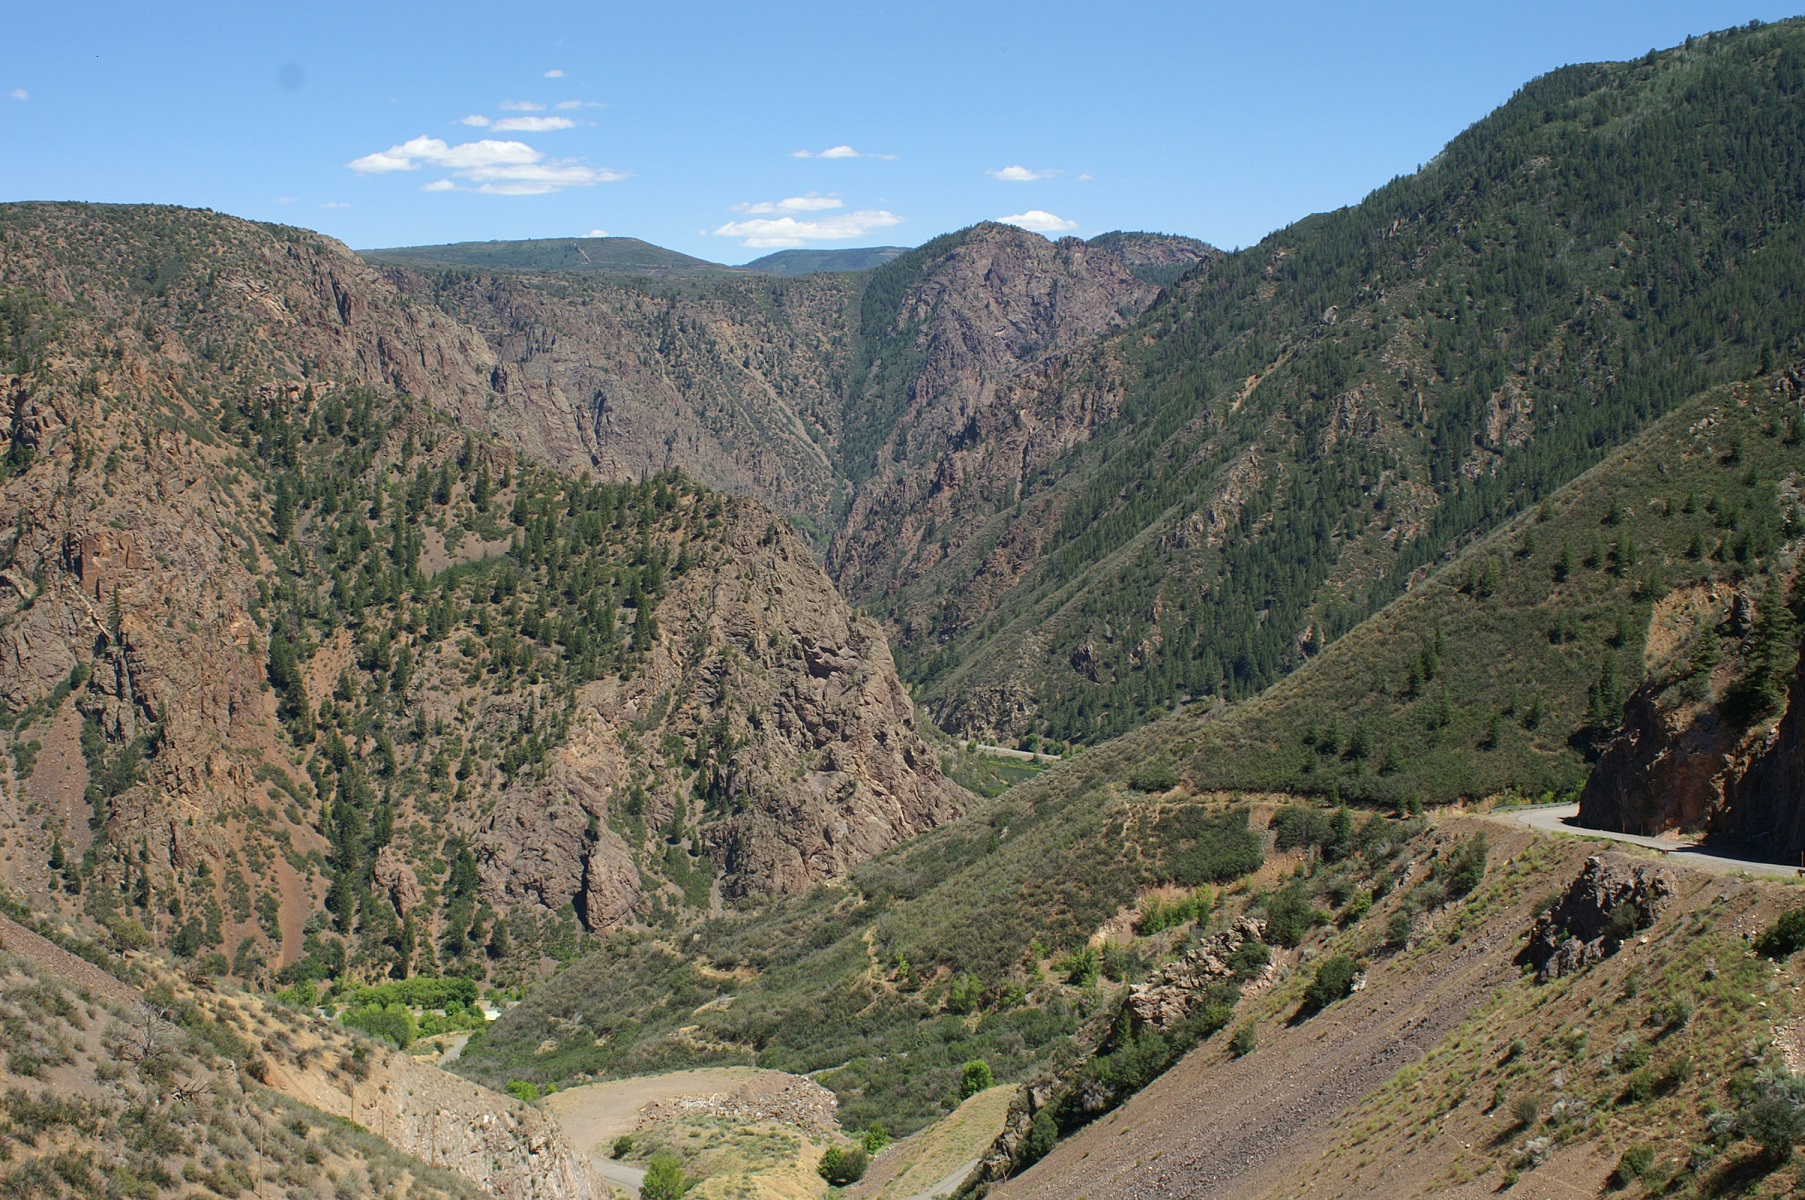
935 434
734 381
305 671
1509 669
1452 1072
803 391
150 1087
1304 427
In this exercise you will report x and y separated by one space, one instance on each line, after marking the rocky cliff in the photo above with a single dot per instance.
309 663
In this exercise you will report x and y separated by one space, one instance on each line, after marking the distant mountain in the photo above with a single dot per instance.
608 255
810 262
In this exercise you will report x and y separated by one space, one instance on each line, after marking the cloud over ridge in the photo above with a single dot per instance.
491 165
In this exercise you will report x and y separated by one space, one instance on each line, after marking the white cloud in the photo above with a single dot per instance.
597 233
788 231
521 106
533 124
474 119
836 152
554 73
1020 174
1039 221
506 168
285 199
569 104
1086 177
335 204
813 202
440 185
19 94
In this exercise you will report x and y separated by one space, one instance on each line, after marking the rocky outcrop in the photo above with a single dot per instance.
1767 802
1666 768
1612 898
1179 987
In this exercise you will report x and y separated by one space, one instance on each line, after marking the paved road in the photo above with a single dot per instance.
1558 818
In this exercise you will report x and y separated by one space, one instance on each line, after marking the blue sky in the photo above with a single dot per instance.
727 130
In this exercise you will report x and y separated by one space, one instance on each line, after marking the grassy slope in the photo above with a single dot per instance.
1522 650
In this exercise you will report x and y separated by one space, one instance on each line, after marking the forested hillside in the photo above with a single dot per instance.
1306 426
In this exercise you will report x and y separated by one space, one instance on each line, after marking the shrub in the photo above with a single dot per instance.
623 1146
1639 1086
1082 966
1249 959
1636 1162
965 994
1398 928
1464 870
1785 937
1043 1135
664 1177
975 1078
1526 1110
1155 776
391 1022
841 1166
526 1091
1242 1043
1334 980
1290 916
1776 1123
875 1139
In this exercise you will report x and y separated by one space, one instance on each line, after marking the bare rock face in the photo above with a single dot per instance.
1665 769
999 304
1613 897
1767 803
1178 988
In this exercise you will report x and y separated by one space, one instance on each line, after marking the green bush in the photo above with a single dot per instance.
875 1139
664 1178
843 1165
392 1022
1334 980
1242 1043
1785 937
1043 1135
1636 1162
1775 1123
1290 916
975 1078
623 1146
525 1091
